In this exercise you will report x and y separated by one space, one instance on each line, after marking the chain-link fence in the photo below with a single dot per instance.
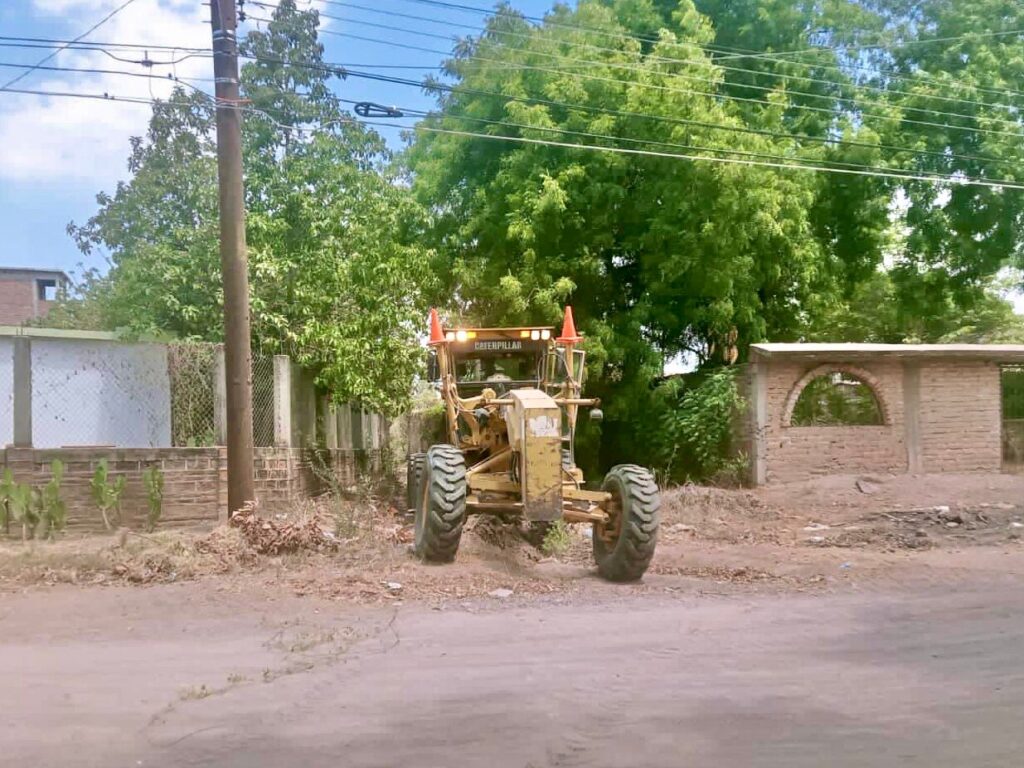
99 392
263 400
6 391
192 369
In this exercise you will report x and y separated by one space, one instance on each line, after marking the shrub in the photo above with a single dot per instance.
25 508
693 437
6 491
106 494
153 480
53 508
556 539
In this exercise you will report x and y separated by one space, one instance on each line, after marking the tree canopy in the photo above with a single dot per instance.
690 174
336 255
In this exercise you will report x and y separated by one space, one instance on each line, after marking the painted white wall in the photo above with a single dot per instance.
87 392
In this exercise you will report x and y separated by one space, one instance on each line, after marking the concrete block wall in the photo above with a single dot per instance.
940 416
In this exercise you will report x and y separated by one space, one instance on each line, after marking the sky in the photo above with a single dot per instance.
56 154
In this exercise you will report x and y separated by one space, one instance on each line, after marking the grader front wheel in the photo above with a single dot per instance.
624 546
441 509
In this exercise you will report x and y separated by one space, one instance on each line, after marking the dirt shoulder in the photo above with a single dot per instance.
806 537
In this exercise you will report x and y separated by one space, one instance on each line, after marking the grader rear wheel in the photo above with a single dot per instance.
441 508
624 546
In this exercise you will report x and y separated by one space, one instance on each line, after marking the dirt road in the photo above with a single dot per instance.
186 675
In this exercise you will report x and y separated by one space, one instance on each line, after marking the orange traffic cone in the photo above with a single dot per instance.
569 335
436 334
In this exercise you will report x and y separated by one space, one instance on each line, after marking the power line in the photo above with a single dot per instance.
45 59
916 78
647 142
713 48
789 164
805 107
649 39
95 48
336 69
102 97
696 78
870 170
666 59
967 181
98 71
903 44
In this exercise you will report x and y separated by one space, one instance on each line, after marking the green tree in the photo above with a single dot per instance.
336 261
659 256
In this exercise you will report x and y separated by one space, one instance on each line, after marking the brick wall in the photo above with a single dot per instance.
195 480
960 418
16 301
940 416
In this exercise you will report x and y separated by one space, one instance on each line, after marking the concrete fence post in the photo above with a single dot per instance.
358 428
282 401
758 414
345 427
22 392
375 431
329 417
220 397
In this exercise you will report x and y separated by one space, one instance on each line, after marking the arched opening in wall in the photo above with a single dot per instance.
837 398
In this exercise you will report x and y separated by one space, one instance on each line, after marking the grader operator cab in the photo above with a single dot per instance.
511 398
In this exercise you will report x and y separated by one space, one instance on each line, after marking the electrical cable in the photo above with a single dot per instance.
649 58
687 91
45 59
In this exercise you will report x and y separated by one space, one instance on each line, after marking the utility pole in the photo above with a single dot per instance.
233 259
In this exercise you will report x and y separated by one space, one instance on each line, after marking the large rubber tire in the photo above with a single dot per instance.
441 513
629 555
413 477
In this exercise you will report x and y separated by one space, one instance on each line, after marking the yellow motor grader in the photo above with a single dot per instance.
511 398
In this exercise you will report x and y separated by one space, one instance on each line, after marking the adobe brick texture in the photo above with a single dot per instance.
957 416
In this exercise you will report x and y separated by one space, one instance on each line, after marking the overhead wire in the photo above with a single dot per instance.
340 68
904 43
582 107
654 86
646 58
959 180
461 89
868 171
99 71
91 29
966 181
652 39
709 47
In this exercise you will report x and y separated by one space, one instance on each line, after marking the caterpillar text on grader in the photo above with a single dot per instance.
511 398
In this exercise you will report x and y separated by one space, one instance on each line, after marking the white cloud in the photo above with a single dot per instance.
84 141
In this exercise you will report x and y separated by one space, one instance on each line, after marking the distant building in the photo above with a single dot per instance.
27 294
